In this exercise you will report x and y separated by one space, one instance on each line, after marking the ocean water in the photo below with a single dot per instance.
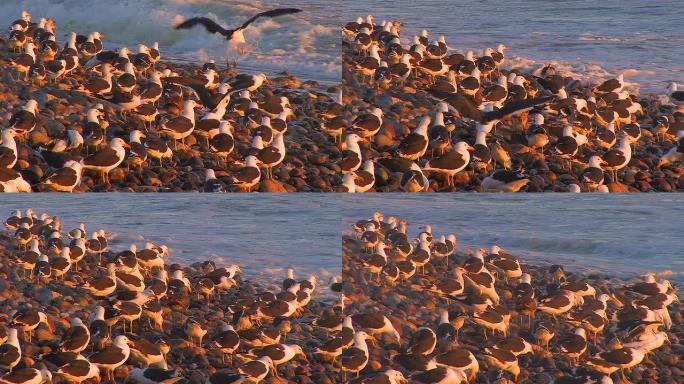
305 44
596 39
619 235
263 234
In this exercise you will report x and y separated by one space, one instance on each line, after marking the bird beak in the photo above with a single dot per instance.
49 326
471 148
603 163
142 134
303 356
126 145
616 301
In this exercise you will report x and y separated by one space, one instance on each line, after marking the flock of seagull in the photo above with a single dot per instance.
475 103
493 309
139 113
137 305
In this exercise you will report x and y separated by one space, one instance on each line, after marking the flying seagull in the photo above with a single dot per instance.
233 34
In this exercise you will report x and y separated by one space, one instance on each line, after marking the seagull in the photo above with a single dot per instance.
574 345
348 183
227 342
23 62
211 183
249 175
440 375
272 155
107 158
355 358
567 146
351 156
223 142
10 352
24 120
593 174
154 375
257 370
505 181
423 341
8 148
246 82
113 356
675 153
237 33
414 145
676 96
618 158
66 178
612 85
414 180
180 127
365 177
29 320
77 337
27 376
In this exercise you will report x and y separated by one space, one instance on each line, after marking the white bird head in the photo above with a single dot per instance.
596 161
122 341
463 147
224 127
118 142
135 136
251 161
352 139
349 182
7 134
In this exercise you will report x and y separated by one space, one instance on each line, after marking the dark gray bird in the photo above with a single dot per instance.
233 34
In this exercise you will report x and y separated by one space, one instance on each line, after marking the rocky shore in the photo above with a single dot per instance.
407 79
427 291
163 336
63 105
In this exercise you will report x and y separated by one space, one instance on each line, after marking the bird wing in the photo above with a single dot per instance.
210 25
196 86
513 108
187 81
271 13
465 106
103 158
63 176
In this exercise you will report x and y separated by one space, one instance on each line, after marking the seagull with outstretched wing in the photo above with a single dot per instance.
233 34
